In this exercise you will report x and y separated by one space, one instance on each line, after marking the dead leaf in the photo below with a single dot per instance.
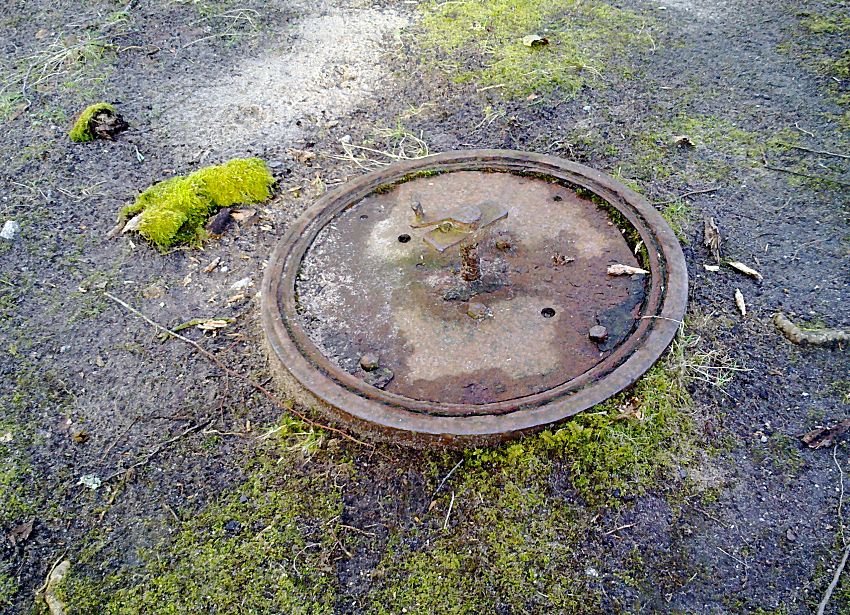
683 141
619 269
712 238
153 292
212 324
825 436
301 156
209 268
739 301
80 437
712 268
746 270
535 40
20 533
630 410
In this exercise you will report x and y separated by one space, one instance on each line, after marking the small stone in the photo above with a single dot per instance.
369 362
379 378
232 526
598 333
10 230
791 535
241 284
477 311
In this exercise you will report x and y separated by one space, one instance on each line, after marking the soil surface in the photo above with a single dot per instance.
88 390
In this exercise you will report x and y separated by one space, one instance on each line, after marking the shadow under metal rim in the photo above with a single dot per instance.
301 368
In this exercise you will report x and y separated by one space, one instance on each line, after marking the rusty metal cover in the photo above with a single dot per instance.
466 297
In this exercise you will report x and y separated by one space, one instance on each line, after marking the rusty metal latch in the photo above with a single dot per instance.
465 223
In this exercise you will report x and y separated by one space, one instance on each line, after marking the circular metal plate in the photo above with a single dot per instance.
362 274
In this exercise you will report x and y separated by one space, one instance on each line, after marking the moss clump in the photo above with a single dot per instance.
265 547
482 40
174 211
82 132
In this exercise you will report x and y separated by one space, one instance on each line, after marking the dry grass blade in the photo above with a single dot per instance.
402 145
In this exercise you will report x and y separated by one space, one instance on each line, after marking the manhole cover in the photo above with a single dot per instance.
466 297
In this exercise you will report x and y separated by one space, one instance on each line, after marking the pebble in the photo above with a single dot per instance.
241 284
598 333
379 378
10 230
369 362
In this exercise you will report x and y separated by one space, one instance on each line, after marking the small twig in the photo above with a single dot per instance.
679 322
834 584
158 450
43 586
617 529
740 561
687 194
806 175
442 482
449 513
171 510
120 437
803 130
356 529
840 495
822 337
259 387
815 151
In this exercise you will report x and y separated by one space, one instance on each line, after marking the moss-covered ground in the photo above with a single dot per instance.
483 41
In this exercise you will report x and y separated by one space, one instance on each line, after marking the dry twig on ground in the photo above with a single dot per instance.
231 372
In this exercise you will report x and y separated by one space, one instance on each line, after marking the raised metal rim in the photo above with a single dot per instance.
366 408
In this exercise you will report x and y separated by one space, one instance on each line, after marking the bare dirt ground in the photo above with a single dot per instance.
231 509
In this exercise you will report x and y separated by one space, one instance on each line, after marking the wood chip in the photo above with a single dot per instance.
712 268
739 266
213 324
209 268
739 301
619 269
712 238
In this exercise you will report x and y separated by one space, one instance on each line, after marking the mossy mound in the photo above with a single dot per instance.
82 130
174 211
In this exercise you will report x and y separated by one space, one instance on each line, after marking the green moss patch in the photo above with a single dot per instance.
82 132
482 40
267 546
174 211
